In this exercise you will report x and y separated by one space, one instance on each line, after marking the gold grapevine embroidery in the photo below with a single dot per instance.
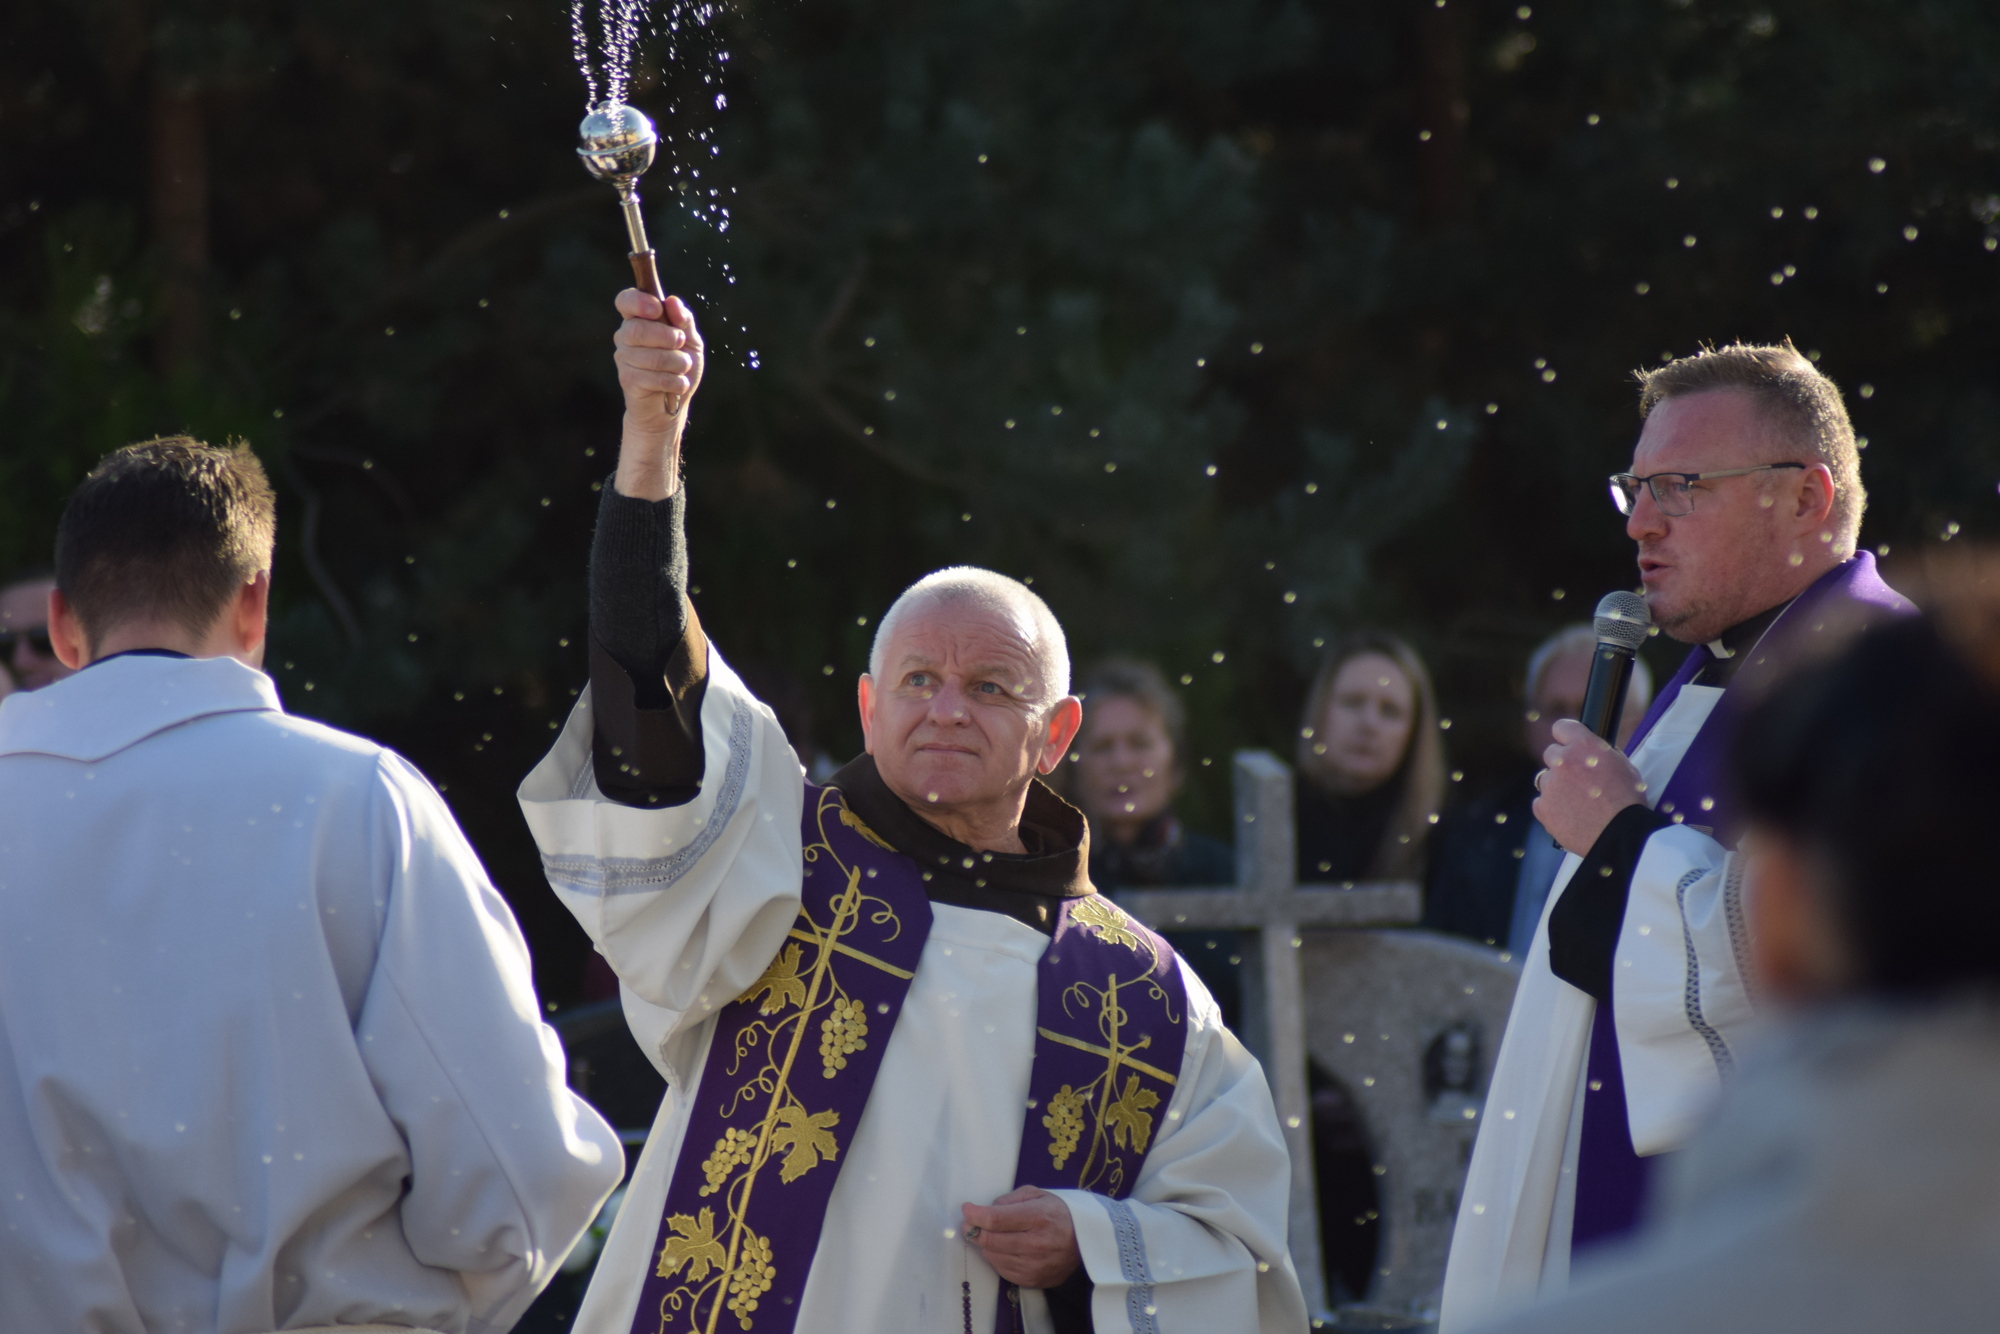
781 983
692 1244
724 1265
1109 923
1129 1114
853 821
1102 1121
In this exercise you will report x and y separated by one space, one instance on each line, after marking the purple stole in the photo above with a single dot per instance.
1612 1180
775 1110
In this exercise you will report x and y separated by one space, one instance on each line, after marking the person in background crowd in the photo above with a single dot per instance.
24 633
1491 865
1372 763
1848 1181
1129 762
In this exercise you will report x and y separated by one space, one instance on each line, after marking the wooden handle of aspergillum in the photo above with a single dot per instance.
646 273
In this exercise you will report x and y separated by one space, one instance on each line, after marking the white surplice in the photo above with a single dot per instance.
1679 1002
690 904
270 1053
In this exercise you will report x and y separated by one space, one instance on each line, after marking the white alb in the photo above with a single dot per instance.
270 1055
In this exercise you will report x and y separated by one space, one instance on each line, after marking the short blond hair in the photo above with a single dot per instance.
1803 403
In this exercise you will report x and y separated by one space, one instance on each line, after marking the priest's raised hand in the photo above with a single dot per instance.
880 1002
660 358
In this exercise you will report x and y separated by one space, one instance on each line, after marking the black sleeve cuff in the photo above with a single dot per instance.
1584 924
638 584
649 757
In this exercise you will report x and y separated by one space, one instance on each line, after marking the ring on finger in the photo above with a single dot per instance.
1540 774
974 1233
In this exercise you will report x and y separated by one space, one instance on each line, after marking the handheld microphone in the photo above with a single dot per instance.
1622 622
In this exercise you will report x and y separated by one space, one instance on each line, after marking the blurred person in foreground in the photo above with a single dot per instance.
30 660
1371 759
269 1053
1745 502
1130 761
1491 865
1850 1180
921 1074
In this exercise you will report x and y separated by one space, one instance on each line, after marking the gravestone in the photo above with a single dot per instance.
1409 1023
1270 909
1312 976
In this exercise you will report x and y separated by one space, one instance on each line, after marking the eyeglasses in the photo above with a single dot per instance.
1673 492
38 640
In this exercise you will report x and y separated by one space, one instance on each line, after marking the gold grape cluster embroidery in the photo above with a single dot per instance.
721 1263
1065 1124
843 1032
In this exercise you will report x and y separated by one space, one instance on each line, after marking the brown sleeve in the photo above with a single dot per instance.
650 756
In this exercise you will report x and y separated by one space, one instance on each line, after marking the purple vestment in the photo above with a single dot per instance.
794 1059
1612 1180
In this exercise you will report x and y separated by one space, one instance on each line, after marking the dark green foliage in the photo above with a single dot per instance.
1218 226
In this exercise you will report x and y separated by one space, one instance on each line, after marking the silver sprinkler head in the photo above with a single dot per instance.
616 143
1622 619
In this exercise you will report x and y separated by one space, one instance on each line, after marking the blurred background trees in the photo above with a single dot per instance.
1230 326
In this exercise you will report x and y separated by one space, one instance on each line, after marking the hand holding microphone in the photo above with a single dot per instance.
1587 779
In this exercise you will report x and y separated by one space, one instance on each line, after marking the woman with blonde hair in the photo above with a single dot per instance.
1372 762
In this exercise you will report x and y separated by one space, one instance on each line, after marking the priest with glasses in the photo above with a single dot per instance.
1745 502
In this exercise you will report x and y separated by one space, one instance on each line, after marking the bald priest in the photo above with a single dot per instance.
921 1076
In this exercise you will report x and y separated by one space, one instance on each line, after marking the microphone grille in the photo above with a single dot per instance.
1622 619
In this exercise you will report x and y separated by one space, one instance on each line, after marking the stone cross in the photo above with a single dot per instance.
1268 902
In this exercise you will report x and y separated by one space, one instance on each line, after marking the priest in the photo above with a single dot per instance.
1745 500
921 1076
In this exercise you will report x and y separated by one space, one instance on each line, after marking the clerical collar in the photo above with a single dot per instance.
138 653
1725 649
1025 886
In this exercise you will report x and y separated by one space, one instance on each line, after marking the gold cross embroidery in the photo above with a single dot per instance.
1117 1057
